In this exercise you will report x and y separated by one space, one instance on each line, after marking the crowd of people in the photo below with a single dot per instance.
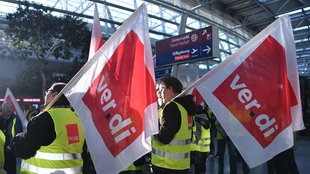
188 133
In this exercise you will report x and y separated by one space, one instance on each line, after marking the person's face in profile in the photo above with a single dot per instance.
166 93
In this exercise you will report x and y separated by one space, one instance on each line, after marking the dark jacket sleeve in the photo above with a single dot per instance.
18 125
40 132
169 124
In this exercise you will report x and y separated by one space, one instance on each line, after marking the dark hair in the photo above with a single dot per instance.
171 81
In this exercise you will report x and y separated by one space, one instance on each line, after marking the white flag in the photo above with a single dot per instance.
114 96
9 97
255 94
96 40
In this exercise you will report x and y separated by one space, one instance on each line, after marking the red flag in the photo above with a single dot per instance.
255 94
197 97
114 96
96 36
9 97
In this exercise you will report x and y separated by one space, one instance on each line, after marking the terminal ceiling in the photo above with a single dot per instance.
243 18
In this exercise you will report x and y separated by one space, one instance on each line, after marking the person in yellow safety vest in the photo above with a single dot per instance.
200 146
171 146
54 139
137 167
11 125
2 143
31 112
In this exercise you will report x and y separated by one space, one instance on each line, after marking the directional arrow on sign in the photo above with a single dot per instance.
208 49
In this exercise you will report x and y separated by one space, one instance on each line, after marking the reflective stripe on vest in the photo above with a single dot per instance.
58 156
202 139
176 154
203 144
13 127
178 142
36 169
170 155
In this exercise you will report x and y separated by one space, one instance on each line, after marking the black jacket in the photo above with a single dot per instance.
170 122
169 125
41 132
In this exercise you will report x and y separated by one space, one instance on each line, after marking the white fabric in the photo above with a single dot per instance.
94 72
9 97
252 151
96 40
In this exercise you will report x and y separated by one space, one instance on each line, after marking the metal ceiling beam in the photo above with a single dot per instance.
194 15
265 8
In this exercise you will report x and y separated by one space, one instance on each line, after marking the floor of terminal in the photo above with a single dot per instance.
302 157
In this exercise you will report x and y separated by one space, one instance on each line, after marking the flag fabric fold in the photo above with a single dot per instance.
96 40
255 94
114 96
9 97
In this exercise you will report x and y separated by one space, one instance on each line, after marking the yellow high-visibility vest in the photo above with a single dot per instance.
2 143
176 154
132 167
64 154
203 144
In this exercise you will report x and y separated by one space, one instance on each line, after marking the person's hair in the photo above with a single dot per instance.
57 87
7 104
171 81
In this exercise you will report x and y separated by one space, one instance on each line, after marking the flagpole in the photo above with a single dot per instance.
190 87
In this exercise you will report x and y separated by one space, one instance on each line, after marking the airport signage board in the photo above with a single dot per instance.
163 72
188 47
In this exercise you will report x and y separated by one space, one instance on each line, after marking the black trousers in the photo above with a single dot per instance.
9 163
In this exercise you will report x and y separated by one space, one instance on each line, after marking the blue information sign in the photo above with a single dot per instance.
196 45
163 72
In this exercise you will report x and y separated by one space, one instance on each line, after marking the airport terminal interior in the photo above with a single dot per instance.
233 24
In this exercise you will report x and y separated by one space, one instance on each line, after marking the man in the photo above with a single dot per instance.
31 112
171 146
200 146
54 139
11 125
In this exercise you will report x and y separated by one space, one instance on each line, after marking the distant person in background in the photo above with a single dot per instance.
200 146
222 141
31 112
11 125
212 119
